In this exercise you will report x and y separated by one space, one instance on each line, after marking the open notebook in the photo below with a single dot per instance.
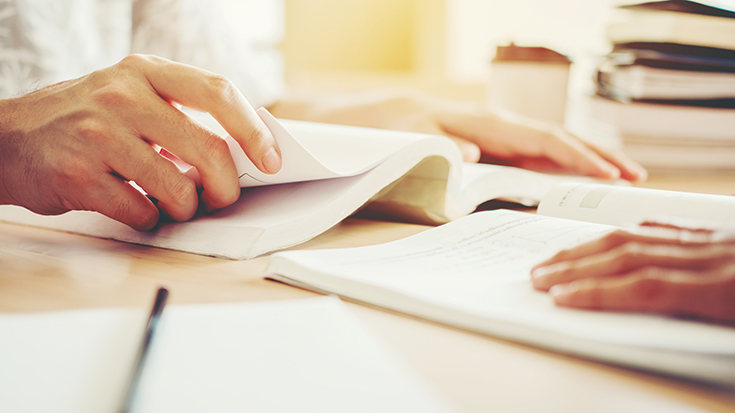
474 273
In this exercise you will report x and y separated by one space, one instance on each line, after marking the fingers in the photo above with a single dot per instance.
656 268
710 296
633 293
115 198
526 141
157 121
215 94
470 151
184 167
631 257
567 149
629 169
176 193
575 156
195 145
645 234
687 233
607 242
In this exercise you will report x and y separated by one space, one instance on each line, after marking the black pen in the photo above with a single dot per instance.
150 329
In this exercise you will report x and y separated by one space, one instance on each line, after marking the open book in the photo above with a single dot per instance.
473 273
328 173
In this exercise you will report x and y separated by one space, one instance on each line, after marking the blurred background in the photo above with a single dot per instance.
667 115
439 46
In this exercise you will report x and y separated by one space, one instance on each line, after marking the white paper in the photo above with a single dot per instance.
475 273
482 182
413 177
299 355
321 151
265 218
621 206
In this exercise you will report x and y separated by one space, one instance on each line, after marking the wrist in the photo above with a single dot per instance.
9 136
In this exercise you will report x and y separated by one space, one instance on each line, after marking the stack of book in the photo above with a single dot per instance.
668 86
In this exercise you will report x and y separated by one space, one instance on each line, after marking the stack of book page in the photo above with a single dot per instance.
668 86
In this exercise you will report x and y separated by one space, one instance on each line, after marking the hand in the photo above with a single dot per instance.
75 145
655 268
506 139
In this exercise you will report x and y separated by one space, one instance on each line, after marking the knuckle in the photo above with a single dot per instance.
228 198
596 298
116 94
222 90
215 148
649 289
91 128
139 218
135 60
617 236
256 132
629 256
181 189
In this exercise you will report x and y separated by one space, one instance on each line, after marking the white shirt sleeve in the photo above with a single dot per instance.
44 42
196 32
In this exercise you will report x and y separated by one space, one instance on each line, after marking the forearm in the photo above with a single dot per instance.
382 109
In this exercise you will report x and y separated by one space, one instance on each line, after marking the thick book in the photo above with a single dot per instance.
474 273
673 56
328 173
659 153
720 8
675 123
637 82
660 26
663 136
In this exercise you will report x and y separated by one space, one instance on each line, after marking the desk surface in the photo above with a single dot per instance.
47 270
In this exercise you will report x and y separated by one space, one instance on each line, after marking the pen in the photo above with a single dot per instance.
150 329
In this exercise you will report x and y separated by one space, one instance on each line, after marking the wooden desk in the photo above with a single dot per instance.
46 270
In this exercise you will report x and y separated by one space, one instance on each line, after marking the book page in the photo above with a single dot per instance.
483 182
313 151
265 218
627 206
284 356
474 273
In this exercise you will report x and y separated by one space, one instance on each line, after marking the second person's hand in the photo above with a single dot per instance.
506 138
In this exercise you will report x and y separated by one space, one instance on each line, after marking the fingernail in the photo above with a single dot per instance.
612 172
272 161
642 174
560 292
556 290
539 273
540 278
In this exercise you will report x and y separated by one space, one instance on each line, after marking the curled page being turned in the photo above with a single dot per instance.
318 153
